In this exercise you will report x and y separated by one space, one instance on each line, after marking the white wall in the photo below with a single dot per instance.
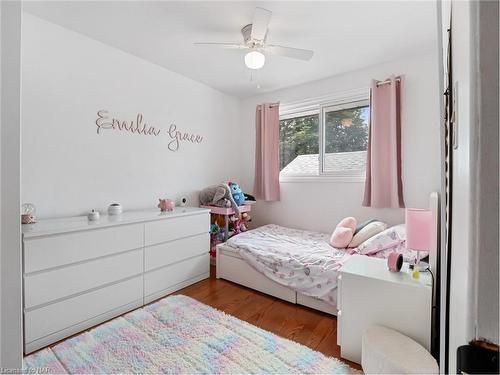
320 205
67 168
10 230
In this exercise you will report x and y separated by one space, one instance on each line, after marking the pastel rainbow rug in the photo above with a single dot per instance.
180 335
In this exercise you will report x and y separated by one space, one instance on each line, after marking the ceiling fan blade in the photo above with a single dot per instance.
294 53
223 45
260 22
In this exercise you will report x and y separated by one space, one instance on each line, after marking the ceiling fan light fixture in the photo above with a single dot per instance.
255 60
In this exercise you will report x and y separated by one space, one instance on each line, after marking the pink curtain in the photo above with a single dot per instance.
267 168
384 185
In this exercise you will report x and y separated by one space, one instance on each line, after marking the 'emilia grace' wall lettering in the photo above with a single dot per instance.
138 126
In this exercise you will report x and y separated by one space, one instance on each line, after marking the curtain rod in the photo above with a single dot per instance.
271 105
387 81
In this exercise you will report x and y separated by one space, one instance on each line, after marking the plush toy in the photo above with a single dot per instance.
246 217
219 195
237 194
214 229
219 220
238 224
221 235
214 233
245 220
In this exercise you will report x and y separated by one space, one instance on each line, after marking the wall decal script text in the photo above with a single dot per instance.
105 122
138 126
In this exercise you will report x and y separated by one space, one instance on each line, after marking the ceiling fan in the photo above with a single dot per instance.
254 40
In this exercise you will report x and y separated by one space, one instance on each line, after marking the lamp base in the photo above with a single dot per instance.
416 269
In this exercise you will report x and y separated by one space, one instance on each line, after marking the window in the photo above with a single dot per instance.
329 140
345 138
299 142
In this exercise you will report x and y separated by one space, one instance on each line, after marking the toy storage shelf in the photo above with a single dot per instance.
227 212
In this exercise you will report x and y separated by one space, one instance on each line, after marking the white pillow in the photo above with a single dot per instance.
391 238
367 232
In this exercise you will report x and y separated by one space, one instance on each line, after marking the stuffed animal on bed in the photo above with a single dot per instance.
237 194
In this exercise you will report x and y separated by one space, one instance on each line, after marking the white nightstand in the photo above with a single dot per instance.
368 293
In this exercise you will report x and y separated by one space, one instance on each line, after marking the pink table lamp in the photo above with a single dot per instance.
419 233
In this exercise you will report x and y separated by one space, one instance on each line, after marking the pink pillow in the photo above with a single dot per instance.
348 222
341 237
343 233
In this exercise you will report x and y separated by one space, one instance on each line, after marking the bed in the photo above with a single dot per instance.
294 265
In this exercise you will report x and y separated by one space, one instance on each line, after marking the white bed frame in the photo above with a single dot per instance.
231 266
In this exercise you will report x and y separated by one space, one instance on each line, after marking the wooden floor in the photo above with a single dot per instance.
309 327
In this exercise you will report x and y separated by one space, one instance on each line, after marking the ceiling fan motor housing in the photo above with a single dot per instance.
246 31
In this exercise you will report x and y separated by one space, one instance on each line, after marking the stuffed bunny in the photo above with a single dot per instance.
220 196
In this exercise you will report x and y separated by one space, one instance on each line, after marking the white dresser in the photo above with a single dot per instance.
368 294
78 273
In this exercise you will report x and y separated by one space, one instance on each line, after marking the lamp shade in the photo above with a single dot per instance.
419 230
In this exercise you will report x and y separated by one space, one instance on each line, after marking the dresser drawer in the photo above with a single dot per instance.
173 228
53 251
168 277
166 253
46 286
58 316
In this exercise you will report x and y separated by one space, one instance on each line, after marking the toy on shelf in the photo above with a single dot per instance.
237 194
219 196
214 232
239 224
222 217
246 219
235 224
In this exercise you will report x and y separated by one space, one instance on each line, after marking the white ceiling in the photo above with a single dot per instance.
345 35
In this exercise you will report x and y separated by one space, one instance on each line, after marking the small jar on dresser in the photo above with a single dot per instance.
369 294
78 273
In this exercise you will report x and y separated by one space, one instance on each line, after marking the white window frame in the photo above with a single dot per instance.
338 101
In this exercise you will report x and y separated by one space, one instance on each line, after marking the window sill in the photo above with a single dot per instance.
323 178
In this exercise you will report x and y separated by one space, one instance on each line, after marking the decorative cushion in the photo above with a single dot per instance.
367 232
341 237
348 222
363 224
391 238
386 351
343 233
